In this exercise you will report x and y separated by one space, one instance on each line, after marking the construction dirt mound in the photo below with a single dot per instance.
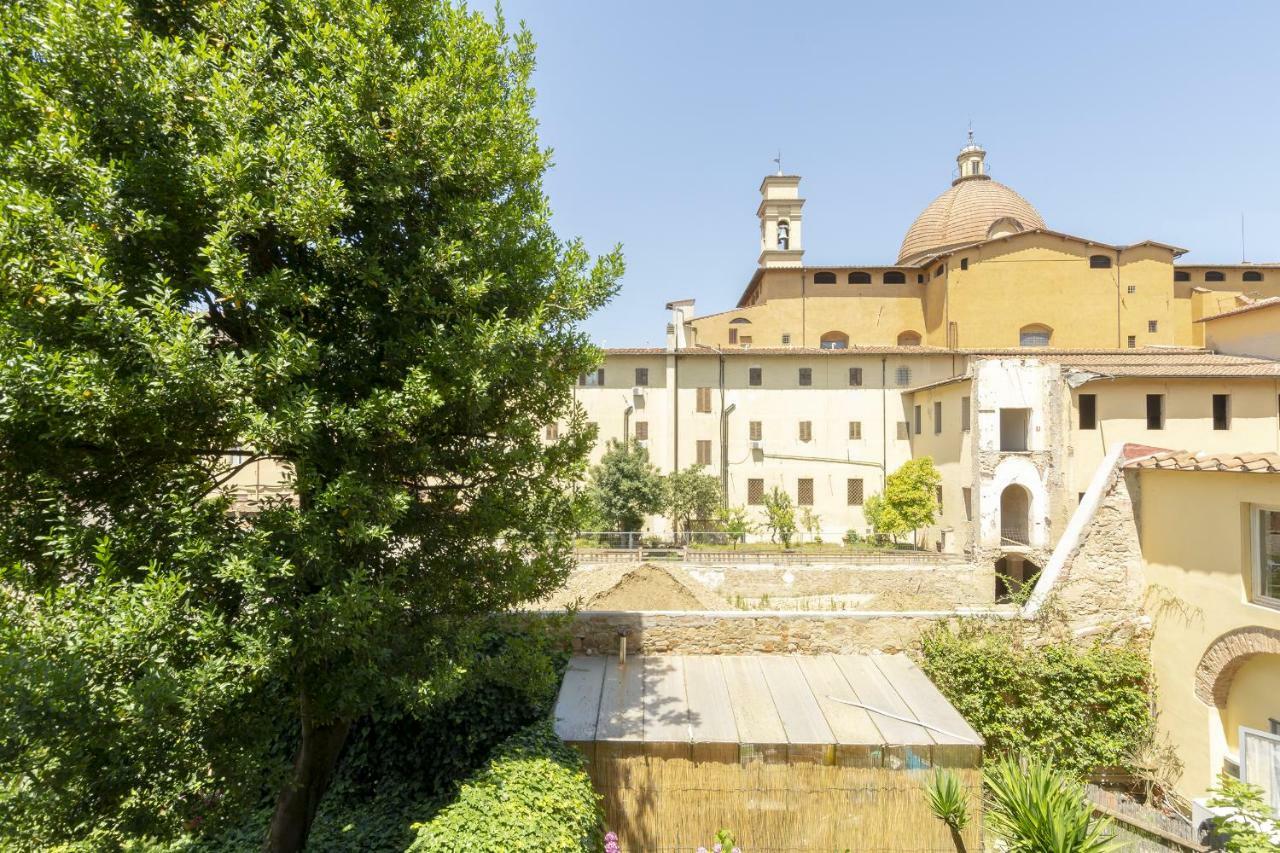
632 587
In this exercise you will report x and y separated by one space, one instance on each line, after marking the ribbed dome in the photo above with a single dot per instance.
965 214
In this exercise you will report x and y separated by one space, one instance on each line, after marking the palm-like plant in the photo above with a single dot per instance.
1036 809
950 802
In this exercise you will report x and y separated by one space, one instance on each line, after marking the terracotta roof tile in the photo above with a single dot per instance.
963 214
1184 460
1271 302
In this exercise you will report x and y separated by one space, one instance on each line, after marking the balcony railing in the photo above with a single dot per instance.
1014 533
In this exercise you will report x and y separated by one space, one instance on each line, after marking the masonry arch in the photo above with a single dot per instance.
1224 657
834 340
1029 504
909 339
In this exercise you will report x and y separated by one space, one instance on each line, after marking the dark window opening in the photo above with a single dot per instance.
964 263
1252 275
1214 275
1181 275
824 278
1155 411
806 376
894 277
1100 262
1088 411
755 376
855 376
859 278
1222 411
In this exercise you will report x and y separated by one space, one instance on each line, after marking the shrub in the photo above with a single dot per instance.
780 516
1079 708
1248 826
1036 809
948 799
533 795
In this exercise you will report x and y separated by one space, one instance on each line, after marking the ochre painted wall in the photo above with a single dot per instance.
1195 530
1255 332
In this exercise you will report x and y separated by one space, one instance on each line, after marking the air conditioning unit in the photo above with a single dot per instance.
643 442
757 445
637 391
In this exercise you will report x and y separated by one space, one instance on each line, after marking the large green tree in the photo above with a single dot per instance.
315 230
909 501
692 497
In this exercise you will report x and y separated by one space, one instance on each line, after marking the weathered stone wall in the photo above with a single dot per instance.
737 632
943 585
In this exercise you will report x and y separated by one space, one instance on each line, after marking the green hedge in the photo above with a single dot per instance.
533 795
1079 708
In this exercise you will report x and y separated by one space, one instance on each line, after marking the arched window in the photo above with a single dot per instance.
895 277
1181 275
835 340
784 235
824 277
909 339
1252 275
1100 262
740 321
1035 335
859 277
1015 515
1214 275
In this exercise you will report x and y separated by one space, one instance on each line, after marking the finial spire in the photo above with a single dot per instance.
778 160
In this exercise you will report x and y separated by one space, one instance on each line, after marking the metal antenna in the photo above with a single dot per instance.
1242 254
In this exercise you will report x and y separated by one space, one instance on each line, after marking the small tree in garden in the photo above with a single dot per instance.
1036 809
692 497
625 487
734 521
949 801
780 516
1249 826
811 522
909 500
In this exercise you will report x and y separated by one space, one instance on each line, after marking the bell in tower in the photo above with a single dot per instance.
780 214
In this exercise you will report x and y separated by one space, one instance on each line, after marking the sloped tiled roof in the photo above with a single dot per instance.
1184 460
1271 302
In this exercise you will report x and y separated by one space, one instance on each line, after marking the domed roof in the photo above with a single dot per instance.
966 212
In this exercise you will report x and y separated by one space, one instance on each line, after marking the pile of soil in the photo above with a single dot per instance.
633 587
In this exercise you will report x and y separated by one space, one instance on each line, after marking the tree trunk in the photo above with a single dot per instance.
313 767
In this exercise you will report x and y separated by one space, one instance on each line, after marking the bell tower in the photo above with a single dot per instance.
781 232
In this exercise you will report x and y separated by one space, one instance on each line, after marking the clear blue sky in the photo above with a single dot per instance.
1119 121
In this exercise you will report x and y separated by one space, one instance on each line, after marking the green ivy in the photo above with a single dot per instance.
1079 708
534 795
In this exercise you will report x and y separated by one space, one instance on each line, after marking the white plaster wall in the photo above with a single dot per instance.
1022 471
1012 383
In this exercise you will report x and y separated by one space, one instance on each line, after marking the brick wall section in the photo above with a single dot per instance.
1227 654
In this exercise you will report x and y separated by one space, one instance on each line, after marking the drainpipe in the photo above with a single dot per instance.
626 423
884 420
804 312
675 411
1119 334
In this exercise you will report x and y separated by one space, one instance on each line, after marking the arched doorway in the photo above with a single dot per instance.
1015 515
1015 575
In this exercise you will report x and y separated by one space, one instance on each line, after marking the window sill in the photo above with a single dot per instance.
1266 603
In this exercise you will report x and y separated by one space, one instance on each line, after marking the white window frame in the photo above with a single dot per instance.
1255 536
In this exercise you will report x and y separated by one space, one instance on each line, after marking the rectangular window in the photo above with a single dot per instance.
553 432
937 495
1222 411
855 430
806 430
755 491
904 375
904 430
733 336
855 377
592 380
642 376
937 417
1132 341
1152 326
806 376
804 491
639 402
1266 557
967 494
853 491
786 340
1014 425
704 400
965 414
1088 411
755 431
755 376
916 419
1133 288
964 263
1155 411
704 451
642 430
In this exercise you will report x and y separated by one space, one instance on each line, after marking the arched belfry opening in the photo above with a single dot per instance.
1015 516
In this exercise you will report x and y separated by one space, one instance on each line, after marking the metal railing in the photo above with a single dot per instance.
1014 533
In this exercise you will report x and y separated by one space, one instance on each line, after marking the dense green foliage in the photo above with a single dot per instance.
693 497
1249 825
534 795
1034 808
1078 708
909 500
780 516
625 487
311 231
